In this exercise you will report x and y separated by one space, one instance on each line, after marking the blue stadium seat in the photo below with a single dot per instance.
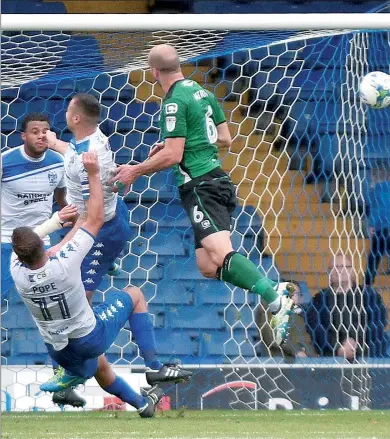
63 89
167 292
32 7
190 318
170 215
282 7
182 269
163 245
176 343
239 316
213 292
82 53
220 343
27 360
9 94
122 345
17 316
26 342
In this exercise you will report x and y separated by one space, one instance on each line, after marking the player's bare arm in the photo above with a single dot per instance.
56 144
60 196
224 137
171 153
95 215
90 218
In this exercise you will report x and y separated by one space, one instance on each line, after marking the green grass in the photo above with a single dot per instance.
219 424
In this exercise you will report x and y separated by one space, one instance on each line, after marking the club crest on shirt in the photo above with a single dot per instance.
170 123
53 178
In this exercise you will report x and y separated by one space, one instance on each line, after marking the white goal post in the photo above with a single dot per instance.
134 22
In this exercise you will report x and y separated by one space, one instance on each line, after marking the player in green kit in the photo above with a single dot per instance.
193 126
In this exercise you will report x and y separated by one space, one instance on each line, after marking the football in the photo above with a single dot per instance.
375 90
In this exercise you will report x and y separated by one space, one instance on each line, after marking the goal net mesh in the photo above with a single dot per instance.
304 157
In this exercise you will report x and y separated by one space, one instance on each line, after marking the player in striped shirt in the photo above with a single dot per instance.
31 176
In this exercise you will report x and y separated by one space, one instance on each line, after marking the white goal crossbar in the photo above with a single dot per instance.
134 22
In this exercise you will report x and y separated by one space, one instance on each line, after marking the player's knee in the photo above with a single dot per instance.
217 258
208 270
138 298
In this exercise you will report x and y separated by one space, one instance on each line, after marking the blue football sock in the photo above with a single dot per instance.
122 390
142 328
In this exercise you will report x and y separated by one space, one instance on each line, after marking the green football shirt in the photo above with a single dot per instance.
190 111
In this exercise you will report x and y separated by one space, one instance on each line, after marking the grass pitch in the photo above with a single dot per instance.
215 424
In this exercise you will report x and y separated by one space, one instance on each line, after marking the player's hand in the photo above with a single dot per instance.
68 215
156 148
51 137
347 349
91 163
301 354
125 176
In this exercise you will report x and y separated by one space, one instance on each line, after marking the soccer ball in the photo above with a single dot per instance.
375 90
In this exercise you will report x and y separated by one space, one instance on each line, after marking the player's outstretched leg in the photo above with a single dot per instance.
143 331
145 403
232 267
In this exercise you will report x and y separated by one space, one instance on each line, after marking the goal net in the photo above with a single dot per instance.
305 156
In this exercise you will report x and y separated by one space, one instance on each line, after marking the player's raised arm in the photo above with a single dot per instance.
95 215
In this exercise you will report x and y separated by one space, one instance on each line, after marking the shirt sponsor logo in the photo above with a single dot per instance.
171 108
33 198
170 123
59 331
53 178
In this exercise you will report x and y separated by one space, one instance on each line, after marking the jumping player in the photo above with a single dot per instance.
193 126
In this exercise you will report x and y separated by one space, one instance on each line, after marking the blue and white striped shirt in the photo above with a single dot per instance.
77 182
27 187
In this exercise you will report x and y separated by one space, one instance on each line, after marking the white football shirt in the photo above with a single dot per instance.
76 176
55 294
27 188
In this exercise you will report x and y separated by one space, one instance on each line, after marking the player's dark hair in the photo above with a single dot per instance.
27 245
33 117
89 105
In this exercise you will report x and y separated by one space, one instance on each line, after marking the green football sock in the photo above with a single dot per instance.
243 273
